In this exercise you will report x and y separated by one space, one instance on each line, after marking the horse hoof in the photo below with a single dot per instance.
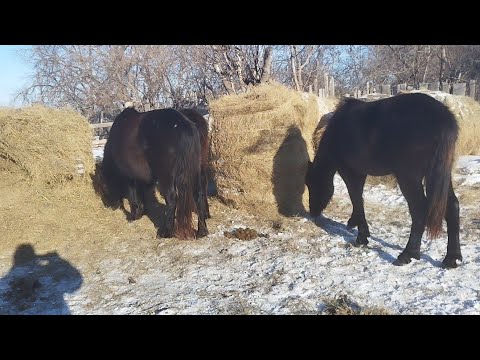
164 234
451 262
405 258
202 233
360 242
402 261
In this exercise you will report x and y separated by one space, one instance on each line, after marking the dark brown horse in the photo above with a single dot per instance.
159 147
411 136
202 127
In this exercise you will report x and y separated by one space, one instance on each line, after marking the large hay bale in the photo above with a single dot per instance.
50 145
261 144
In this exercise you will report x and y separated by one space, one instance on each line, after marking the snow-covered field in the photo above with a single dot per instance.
302 263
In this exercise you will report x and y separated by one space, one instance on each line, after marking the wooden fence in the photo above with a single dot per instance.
328 88
461 88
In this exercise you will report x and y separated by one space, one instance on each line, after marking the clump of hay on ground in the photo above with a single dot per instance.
261 144
343 305
51 145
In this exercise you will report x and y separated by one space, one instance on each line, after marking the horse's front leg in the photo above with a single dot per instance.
355 183
171 202
136 194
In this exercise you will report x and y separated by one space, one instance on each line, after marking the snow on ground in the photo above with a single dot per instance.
301 264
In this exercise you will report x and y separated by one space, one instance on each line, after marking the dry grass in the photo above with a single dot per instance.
343 305
467 112
261 143
50 145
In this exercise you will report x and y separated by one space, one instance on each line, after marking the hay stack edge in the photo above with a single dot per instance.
261 142
52 146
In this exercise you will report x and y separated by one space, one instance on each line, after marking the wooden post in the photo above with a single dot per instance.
446 87
472 84
459 89
423 86
434 86
315 85
368 87
325 81
332 86
310 89
147 107
385 89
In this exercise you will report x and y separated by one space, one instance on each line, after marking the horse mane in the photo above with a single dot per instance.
347 102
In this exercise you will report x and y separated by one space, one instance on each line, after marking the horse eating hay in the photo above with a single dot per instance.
411 136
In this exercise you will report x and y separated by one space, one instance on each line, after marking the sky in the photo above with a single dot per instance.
14 72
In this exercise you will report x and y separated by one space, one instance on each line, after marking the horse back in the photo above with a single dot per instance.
384 135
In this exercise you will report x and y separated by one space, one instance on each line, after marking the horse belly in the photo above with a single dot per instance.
136 166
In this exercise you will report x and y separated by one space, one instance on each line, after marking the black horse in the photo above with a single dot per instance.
159 147
411 136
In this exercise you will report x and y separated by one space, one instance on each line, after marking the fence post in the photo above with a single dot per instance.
459 89
368 87
310 89
332 86
471 89
325 81
146 107
423 86
446 87
386 89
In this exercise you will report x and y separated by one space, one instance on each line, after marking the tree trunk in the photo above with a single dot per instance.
267 65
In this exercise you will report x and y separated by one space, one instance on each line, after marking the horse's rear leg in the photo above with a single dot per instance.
355 183
136 198
202 206
452 215
171 202
412 189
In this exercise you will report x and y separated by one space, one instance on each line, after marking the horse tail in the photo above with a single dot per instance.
438 179
186 180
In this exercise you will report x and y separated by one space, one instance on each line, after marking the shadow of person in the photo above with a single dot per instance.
35 284
288 175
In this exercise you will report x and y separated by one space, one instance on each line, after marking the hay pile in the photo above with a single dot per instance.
261 143
52 146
